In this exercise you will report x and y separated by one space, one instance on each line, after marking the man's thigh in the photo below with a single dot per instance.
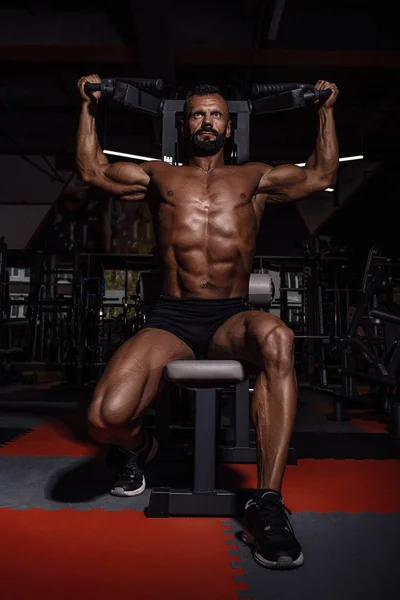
241 337
135 373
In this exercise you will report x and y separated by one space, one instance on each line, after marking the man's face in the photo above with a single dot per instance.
207 124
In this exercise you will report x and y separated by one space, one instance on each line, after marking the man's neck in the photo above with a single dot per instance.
207 163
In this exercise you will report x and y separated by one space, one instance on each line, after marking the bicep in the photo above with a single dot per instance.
288 183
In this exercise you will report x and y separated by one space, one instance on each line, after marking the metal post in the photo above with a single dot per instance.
205 440
4 290
309 280
242 138
169 130
320 314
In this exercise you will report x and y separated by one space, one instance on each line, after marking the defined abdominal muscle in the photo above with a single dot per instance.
201 279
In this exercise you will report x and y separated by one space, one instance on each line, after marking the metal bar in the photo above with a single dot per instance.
205 440
394 362
242 137
374 378
363 302
383 315
169 130
370 355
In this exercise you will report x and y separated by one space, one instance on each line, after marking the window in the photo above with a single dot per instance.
27 273
14 311
15 272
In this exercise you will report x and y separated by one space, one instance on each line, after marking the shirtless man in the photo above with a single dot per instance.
206 217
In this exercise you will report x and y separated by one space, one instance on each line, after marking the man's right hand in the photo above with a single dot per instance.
93 96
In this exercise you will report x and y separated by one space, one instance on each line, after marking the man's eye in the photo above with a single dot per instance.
217 114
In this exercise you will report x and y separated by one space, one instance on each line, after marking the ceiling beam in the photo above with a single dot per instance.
276 19
235 56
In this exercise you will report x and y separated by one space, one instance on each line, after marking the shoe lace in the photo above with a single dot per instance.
273 515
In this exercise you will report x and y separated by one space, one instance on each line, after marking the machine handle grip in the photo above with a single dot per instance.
277 88
143 84
322 94
92 87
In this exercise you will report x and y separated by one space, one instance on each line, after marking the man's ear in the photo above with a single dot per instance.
229 129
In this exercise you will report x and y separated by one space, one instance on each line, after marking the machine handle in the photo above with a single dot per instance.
321 94
276 88
310 93
142 84
92 87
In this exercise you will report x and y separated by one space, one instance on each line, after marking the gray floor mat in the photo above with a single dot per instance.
60 482
347 557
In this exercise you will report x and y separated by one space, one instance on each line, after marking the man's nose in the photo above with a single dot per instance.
207 119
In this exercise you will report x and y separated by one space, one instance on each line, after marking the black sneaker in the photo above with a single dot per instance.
268 530
130 479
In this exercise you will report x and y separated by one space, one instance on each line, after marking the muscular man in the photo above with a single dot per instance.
206 217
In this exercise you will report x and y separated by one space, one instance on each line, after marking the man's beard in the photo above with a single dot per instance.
207 147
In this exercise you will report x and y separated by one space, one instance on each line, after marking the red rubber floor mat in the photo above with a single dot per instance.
54 438
329 485
101 555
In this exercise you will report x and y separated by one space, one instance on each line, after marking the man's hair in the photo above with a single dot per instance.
204 89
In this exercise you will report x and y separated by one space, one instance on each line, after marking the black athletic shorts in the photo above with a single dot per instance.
195 320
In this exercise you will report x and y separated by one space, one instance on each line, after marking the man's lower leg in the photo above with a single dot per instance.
273 409
129 437
266 525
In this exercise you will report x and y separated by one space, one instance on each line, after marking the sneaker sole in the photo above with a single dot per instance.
118 491
283 562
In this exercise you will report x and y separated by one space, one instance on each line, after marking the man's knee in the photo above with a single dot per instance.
109 411
278 348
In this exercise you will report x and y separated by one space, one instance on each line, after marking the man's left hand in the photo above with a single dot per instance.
326 85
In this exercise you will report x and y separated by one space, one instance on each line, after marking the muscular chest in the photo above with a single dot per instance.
215 204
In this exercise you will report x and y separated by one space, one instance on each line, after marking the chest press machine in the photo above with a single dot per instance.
205 377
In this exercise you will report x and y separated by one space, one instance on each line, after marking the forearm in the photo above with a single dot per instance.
325 157
89 155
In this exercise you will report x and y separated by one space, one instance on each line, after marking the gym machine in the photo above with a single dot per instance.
277 97
4 308
374 333
11 330
311 302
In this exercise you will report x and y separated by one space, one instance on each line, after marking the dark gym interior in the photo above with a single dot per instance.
79 276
